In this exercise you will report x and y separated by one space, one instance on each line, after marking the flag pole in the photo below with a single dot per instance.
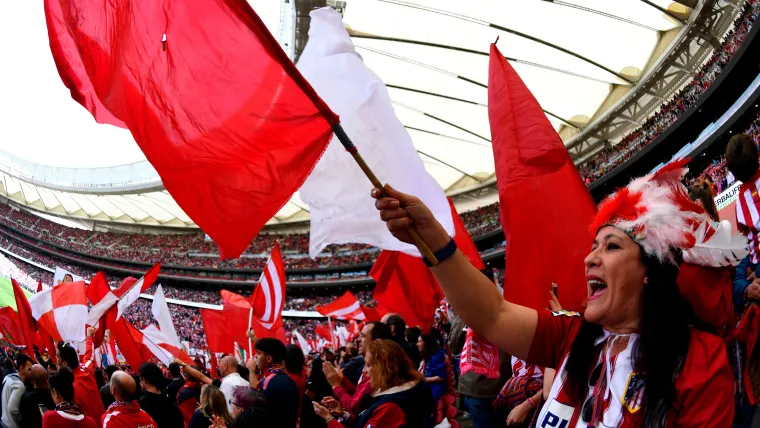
351 148
250 325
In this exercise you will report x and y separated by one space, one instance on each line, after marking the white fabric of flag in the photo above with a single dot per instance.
161 314
305 348
337 191
130 297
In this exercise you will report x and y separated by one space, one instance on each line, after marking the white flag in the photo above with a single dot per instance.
161 313
337 191
302 342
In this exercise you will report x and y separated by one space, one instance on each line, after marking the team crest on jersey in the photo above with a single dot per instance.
566 314
634 392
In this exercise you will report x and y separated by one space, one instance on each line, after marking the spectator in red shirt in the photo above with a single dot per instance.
350 397
66 413
400 398
125 412
86 391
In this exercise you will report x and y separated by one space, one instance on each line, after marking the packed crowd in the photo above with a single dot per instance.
192 250
716 172
608 159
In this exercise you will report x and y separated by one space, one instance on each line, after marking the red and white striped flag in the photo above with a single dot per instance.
269 298
62 311
346 307
160 346
127 293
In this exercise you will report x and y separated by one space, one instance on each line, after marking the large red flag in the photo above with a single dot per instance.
97 290
129 340
218 108
27 326
546 209
222 331
406 286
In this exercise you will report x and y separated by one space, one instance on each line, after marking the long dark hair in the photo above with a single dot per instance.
662 346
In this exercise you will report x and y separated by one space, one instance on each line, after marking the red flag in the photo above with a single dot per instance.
406 286
346 307
212 357
27 327
39 286
128 292
269 297
45 341
218 108
323 331
240 316
11 325
97 290
222 333
372 314
545 207
129 340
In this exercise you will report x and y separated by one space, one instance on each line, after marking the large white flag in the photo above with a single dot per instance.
337 192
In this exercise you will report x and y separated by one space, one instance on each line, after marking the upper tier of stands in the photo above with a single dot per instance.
610 158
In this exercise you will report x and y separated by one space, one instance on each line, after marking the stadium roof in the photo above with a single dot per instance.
432 54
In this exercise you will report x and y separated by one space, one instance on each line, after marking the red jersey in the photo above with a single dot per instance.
351 402
388 415
748 215
704 386
127 415
86 391
56 419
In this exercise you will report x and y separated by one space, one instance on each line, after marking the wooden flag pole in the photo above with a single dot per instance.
351 148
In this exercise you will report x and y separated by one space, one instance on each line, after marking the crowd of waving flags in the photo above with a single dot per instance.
243 144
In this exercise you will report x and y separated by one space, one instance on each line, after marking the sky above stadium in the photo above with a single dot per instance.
38 118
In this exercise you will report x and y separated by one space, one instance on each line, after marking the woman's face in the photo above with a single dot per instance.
420 344
309 364
615 277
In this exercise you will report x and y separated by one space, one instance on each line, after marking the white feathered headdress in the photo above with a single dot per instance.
656 212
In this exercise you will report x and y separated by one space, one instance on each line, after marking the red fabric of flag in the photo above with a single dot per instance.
406 286
129 340
45 342
222 333
323 331
27 327
218 108
96 291
11 325
545 207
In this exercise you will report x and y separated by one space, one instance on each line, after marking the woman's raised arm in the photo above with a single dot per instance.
472 295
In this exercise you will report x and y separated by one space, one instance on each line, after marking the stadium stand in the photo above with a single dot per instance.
608 159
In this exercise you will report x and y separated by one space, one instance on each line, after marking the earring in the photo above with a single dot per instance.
646 280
